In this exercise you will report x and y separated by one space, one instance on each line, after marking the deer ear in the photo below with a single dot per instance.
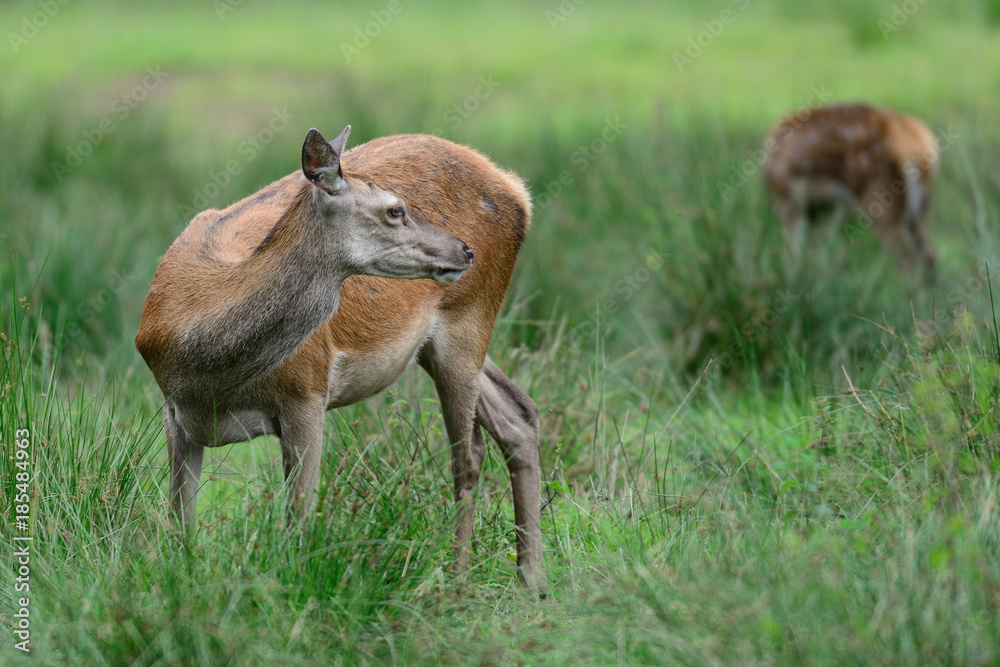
340 142
321 161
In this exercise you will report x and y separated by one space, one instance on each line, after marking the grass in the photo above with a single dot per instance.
852 527
745 462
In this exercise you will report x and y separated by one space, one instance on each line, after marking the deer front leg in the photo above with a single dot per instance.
301 451
458 388
511 417
458 403
185 469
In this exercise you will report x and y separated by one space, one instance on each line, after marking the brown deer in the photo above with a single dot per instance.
843 159
244 334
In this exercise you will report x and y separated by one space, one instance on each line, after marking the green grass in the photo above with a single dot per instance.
745 462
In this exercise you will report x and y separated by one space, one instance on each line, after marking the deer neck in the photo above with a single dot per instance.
274 300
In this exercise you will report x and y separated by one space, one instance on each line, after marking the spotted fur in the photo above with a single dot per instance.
855 158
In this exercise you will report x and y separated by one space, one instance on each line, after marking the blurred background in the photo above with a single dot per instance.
827 488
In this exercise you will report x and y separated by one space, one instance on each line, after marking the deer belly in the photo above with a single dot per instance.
218 427
355 377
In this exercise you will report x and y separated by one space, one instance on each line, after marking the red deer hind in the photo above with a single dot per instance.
855 158
244 334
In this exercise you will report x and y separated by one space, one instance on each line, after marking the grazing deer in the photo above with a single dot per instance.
243 332
854 158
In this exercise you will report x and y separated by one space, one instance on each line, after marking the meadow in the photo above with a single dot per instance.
745 461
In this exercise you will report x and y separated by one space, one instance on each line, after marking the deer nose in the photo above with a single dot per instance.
468 252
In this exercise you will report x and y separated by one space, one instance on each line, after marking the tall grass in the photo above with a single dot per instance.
745 460
859 534
101 537
659 481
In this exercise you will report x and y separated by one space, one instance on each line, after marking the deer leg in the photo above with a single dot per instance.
301 451
185 469
926 251
920 245
511 417
904 236
458 389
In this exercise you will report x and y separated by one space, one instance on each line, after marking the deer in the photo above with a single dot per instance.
825 164
319 290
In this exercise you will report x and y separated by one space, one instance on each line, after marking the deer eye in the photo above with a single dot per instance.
396 212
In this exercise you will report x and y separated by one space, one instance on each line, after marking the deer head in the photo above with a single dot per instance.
374 231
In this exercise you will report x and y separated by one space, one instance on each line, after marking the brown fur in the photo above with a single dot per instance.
855 158
380 326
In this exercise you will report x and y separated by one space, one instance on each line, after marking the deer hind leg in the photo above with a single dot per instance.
185 469
511 417
924 249
884 212
457 384
301 433
913 245
919 245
